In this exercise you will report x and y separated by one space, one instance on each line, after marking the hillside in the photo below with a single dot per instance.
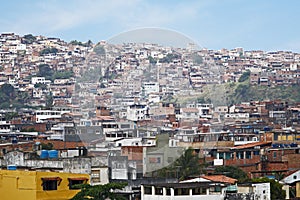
234 93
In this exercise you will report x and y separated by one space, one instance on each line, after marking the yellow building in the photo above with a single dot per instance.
37 185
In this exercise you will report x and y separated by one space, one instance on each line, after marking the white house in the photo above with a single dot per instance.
42 80
292 179
150 87
137 112
184 191
43 115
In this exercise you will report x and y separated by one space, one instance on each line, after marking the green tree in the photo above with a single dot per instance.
89 43
233 172
48 50
8 90
99 49
10 115
169 58
197 59
245 76
23 97
75 42
184 167
102 85
47 146
45 71
40 85
62 75
276 188
99 192
49 100
29 39
152 60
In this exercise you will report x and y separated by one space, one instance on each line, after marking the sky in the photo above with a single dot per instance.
268 25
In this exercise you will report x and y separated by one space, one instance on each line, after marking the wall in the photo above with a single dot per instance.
27 185
63 191
239 196
206 144
298 189
17 186
183 197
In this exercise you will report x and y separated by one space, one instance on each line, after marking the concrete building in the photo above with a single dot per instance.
34 185
184 191
293 180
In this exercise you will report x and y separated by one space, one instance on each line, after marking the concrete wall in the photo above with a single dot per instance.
298 189
69 165
183 197
206 144
239 196
19 185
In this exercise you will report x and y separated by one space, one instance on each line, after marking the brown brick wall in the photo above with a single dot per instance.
133 153
276 166
241 162
293 161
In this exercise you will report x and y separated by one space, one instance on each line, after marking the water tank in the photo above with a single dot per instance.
11 167
294 145
44 154
53 154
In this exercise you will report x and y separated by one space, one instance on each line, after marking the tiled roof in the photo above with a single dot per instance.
220 178
63 145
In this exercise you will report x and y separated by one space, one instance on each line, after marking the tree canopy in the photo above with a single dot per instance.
184 167
233 172
28 39
169 58
99 192
51 50
245 76
50 74
45 71
99 49
9 97
85 44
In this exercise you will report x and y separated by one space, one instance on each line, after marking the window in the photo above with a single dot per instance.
199 191
181 191
51 183
168 191
147 190
274 154
215 189
248 154
158 191
76 181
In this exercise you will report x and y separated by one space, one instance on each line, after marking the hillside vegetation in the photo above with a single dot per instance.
242 91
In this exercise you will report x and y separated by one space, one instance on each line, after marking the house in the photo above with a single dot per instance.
44 115
150 87
250 191
189 113
71 160
212 178
15 184
137 112
293 180
184 191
